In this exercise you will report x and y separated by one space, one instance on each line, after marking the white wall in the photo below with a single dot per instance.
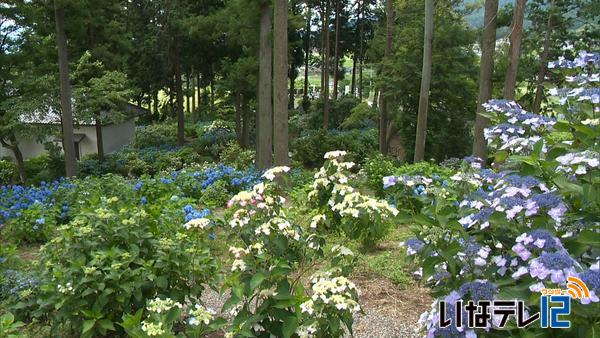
114 136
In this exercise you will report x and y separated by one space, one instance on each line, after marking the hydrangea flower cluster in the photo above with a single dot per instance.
200 314
14 199
521 131
517 197
333 197
331 292
578 163
520 231
192 214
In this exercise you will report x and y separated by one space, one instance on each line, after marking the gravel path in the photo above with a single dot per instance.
388 311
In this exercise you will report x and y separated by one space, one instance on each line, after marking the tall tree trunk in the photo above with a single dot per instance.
14 147
264 118
539 90
65 92
425 84
360 49
238 117
198 115
336 57
193 93
99 138
353 81
245 121
383 121
280 93
326 65
488 45
510 82
293 74
212 92
187 92
156 110
179 91
307 53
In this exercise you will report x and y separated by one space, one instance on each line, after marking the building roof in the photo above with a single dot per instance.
53 116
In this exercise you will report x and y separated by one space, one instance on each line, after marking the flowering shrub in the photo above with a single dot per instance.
29 214
527 227
341 208
115 255
214 136
308 150
166 317
271 254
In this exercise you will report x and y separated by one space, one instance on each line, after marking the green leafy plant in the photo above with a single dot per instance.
8 172
9 328
111 258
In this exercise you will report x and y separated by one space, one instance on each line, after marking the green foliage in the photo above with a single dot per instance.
309 149
342 209
99 94
375 168
46 167
155 135
9 328
267 297
235 156
112 257
8 172
361 116
453 95
214 136
36 224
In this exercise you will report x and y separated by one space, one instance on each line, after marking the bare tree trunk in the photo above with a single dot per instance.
539 90
14 147
280 71
238 117
353 81
510 82
488 45
307 53
187 92
326 65
336 57
65 92
360 49
99 138
292 75
264 118
179 91
245 122
212 92
193 101
198 115
383 121
425 84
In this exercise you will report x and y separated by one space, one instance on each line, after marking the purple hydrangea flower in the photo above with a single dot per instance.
540 239
557 265
414 246
389 181
591 278
479 290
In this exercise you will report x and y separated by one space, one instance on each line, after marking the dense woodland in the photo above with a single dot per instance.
423 68
427 150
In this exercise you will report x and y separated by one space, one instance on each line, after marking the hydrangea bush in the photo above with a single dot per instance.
527 225
341 208
271 256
